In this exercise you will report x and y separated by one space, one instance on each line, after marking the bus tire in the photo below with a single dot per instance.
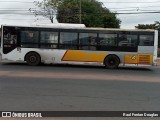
33 59
111 62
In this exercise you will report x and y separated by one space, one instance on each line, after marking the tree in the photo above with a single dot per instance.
155 26
92 12
47 8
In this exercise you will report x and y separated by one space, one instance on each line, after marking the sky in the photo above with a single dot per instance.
17 12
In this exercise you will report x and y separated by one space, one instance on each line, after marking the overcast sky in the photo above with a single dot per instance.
16 12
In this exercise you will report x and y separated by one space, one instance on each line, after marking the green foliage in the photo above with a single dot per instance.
155 26
67 12
93 14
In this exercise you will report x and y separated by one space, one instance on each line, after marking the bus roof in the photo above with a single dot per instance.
62 25
121 29
78 26
57 25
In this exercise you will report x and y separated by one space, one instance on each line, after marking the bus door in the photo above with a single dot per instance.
10 40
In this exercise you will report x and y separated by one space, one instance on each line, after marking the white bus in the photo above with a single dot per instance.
108 47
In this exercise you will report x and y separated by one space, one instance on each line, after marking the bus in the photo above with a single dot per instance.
79 45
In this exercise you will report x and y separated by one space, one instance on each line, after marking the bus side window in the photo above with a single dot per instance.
128 40
88 41
146 40
68 40
49 39
108 39
29 39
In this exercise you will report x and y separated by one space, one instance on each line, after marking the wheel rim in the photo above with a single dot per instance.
111 62
32 59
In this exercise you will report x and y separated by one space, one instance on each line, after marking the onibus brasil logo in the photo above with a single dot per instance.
21 114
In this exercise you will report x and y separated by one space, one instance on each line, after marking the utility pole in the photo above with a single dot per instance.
80 11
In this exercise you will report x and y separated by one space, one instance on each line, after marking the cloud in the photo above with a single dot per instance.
18 13
134 6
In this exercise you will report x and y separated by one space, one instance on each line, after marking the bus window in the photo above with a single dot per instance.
29 39
49 39
88 41
107 39
68 40
146 40
128 40
88 38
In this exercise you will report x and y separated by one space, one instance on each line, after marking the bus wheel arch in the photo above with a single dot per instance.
111 61
32 58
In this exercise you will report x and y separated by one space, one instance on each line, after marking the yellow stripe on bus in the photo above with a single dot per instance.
84 56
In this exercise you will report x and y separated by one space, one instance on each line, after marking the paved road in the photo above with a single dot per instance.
61 87
64 87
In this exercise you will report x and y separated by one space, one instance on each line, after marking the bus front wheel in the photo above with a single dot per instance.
33 59
111 62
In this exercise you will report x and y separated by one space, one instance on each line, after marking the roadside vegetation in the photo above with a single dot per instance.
92 13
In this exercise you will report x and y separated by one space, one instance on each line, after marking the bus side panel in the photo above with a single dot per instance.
145 55
62 56
155 48
47 55
51 56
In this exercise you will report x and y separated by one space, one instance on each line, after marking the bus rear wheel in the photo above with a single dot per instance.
111 62
33 59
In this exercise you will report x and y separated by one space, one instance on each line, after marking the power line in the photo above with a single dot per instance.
104 13
136 9
152 6
22 19
16 13
118 9
17 1
15 10
139 13
152 12
131 2
101 1
16 19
